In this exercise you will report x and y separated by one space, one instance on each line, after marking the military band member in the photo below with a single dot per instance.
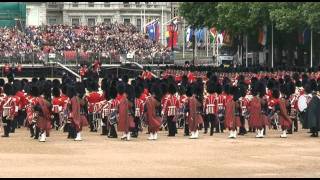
8 109
170 109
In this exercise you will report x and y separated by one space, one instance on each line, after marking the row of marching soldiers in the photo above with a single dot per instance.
153 103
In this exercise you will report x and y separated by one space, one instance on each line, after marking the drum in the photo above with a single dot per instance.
210 109
171 110
113 118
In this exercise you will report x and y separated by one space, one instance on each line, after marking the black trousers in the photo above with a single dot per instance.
172 127
91 123
219 122
56 120
7 126
137 124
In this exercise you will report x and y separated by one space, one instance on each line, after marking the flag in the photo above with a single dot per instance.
172 31
263 36
189 34
304 37
213 35
200 35
153 31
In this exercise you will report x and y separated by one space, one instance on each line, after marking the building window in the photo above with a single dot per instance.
91 21
175 12
75 21
106 4
126 4
126 21
75 4
139 24
52 21
107 20
90 4
148 4
52 5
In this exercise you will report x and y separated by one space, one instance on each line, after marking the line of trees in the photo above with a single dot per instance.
241 19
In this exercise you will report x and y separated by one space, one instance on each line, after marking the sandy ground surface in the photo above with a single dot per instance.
209 156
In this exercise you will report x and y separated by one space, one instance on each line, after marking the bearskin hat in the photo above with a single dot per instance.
64 89
130 92
211 88
16 86
56 83
2 82
71 91
55 92
189 91
138 90
113 91
104 84
227 89
172 88
80 89
8 89
35 91
157 91
121 87
236 93
242 90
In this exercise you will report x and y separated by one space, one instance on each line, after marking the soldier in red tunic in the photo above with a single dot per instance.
139 110
255 120
21 115
194 112
232 112
210 107
8 107
153 111
170 109
56 107
42 109
285 120
125 109
92 99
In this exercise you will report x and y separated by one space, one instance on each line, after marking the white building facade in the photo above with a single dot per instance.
93 13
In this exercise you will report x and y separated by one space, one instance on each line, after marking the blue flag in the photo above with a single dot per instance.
153 31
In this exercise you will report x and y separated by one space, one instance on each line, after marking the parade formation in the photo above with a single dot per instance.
209 102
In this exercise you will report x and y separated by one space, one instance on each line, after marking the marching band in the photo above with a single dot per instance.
219 101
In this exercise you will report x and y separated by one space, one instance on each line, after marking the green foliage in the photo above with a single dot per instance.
241 17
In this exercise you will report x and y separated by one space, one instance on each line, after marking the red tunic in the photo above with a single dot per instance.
44 121
284 118
76 118
22 100
194 118
154 121
92 99
210 104
139 107
255 119
125 119
171 105
231 120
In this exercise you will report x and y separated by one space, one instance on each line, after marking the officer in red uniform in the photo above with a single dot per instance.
139 110
92 98
8 107
210 108
21 115
56 107
170 109
96 66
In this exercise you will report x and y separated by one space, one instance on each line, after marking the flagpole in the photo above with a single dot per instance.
162 39
144 19
195 43
207 43
141 21
272 46
246 50
311 51
183 30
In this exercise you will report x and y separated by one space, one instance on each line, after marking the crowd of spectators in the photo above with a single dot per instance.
108 40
